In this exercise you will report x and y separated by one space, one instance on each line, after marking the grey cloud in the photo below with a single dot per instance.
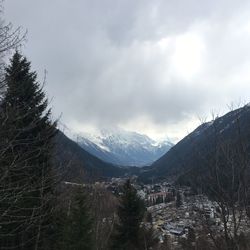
105 66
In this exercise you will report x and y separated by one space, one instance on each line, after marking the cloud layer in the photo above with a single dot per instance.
145 65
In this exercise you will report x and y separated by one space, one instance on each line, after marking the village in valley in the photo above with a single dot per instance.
177 212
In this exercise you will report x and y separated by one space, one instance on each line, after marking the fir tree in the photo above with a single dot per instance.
25 164
130 212
76 229
178 200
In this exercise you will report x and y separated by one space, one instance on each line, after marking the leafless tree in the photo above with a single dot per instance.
227 182
103 206
10 39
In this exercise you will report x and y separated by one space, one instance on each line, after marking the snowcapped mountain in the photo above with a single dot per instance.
122 147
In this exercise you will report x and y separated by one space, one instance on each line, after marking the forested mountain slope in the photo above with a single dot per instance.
196 152
77 164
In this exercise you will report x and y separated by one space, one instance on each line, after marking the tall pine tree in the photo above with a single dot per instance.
130 212
76 227
25 164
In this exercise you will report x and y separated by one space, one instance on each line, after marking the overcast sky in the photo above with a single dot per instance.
153 66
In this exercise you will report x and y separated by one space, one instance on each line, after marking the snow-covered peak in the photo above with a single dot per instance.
126 147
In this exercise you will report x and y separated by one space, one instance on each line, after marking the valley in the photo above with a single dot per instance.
186 205
124 125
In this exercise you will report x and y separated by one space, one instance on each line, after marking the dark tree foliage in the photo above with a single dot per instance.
178 199
149 217
76 228
189 243
26 133
130 212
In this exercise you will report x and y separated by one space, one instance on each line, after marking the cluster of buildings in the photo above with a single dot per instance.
175 211
175 220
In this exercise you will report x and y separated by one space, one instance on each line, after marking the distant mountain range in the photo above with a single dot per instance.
189 158
123 148
197 151
73 163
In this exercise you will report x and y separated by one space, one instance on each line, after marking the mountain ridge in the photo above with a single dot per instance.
75 164
123 148
194 151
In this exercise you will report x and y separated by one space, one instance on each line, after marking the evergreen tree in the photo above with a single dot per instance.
130 212
149 217
25 163
76 228
189 242
178 199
